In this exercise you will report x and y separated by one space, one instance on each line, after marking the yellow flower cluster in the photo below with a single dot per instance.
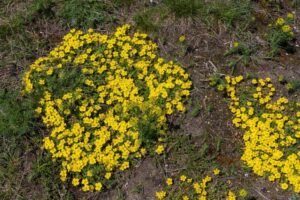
186 188
271 129
198 188
104 98
284 24
230 196
161 195
160 149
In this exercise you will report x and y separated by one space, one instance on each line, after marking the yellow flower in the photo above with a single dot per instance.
290 16
50 71
89 173
228 79
63 175
98 186
160 149
284 186
42 82
161 195
258 89
143 151
286 28
169 181
254 81
182 38
107 175
185 197
183 178
280 21
38 110
216 171
86 188
243 193
75 181
230 196
85 181
255 95
220 87
124 166
236 44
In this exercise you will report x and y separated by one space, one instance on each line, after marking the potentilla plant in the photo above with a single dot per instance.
271 129
104 100
281 34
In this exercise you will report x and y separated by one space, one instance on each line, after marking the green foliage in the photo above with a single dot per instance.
83 13
21 19
231 11
240 49
15 24
139 188
21 171
16 114
279 4
75 13
44 173
295 196
196 110
282 79
280 36
251 75
23 47
148 131
184 8
293 86
149 20
217 81
144 22
242 54
278 40
123 2
9 166
42 7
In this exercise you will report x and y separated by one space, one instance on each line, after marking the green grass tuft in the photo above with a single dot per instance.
16 114
81 13
230 11
150 19
144 22
184 8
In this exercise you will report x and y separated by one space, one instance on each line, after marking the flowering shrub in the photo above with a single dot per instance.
182 39
271 130
242 54
280 34
186 188
104 99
